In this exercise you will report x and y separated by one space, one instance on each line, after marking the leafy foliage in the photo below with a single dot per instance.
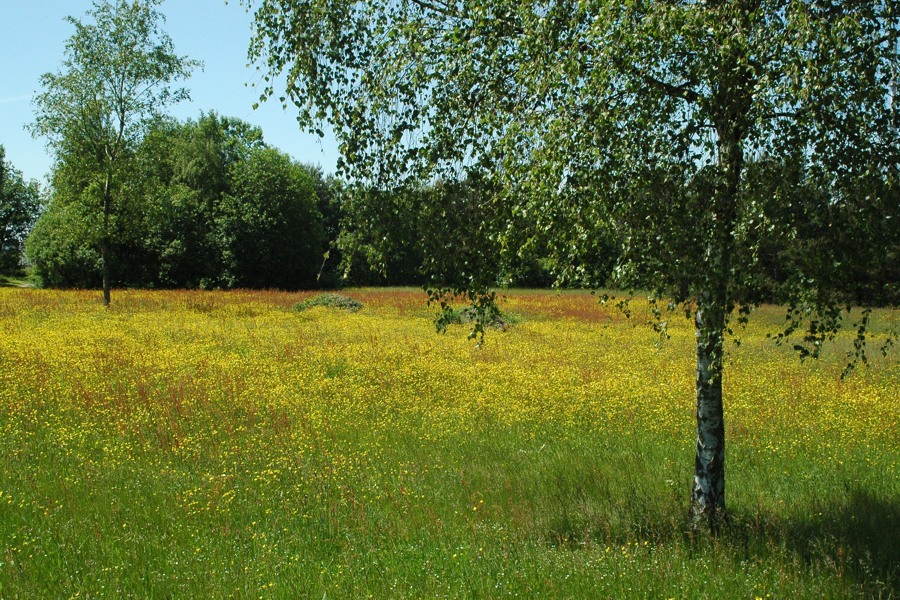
213 207
269 228
58 252
188 165
19 206
633 127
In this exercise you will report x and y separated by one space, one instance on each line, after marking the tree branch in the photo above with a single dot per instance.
439 7
675 91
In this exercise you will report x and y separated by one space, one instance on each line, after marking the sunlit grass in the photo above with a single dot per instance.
196 444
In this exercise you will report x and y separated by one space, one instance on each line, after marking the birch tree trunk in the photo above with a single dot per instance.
710 318
708 493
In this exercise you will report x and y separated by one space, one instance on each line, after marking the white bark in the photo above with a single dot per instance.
708 493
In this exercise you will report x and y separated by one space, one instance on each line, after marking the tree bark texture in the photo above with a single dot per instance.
104 240
708 493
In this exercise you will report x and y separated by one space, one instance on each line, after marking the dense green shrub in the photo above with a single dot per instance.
59 253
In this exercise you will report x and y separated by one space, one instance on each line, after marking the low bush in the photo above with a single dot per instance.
467 315
329 301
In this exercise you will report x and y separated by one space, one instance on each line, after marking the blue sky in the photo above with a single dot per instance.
32 39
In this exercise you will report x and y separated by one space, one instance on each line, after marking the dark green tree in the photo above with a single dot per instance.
208 205
590 114
117 76
380 236
188 166
19 206
58 251
269 228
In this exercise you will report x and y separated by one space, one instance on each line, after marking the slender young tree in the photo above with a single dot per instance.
642 115
117 76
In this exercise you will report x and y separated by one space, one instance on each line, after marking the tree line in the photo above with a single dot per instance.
19 207
211 205
206 204
139 199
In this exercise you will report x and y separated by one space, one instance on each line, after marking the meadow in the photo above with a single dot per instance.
219 444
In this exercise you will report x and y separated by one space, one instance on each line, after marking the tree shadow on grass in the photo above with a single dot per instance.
864 531
856 537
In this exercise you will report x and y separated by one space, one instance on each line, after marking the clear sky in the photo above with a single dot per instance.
32 39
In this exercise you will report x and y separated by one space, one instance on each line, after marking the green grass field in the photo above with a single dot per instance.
207 444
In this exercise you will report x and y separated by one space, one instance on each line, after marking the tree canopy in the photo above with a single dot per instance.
662 120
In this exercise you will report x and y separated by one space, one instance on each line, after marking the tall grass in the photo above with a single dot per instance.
202 444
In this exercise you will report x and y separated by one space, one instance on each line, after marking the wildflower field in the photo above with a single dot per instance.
219 444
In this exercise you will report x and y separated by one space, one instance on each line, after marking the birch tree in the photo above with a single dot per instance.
644 116
117 75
